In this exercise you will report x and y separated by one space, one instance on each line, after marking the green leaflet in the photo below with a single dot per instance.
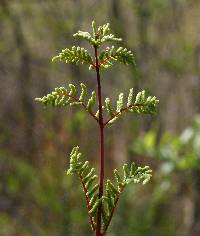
130 97
90 181
61 97
109 106
112 188
120 102
93 199
89 176
126 171
93 211
144 104
85 35
91 101
83 92
118 179
91 193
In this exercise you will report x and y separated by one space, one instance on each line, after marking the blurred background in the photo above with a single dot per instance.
36 198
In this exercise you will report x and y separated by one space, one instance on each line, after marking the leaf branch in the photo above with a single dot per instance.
61 97
84 106
123 110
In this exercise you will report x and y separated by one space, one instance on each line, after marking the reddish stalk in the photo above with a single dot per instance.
101 154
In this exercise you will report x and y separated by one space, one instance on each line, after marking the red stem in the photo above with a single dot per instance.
101 155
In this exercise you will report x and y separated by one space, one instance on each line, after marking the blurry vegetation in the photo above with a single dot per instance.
177 175
34 193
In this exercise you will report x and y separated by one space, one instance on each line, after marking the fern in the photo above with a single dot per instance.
62 97
88 180
99 35
101 204
109 55
76 55
141 105
132 174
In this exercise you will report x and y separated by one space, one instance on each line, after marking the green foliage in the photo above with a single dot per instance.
88 180
141 105
61 97
99 35
131 174
176 152
32 184
76 55
99 205
91 101
110 54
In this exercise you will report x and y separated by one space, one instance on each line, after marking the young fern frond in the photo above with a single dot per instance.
85 35
141 105
62 97
111 54
99 35
88 180
104 31
132 174
76 55
100 204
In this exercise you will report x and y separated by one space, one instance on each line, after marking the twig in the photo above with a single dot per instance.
104 61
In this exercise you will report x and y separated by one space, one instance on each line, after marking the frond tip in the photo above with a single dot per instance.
99 35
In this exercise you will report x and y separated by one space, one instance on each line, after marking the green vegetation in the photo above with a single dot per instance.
101 206
37 197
